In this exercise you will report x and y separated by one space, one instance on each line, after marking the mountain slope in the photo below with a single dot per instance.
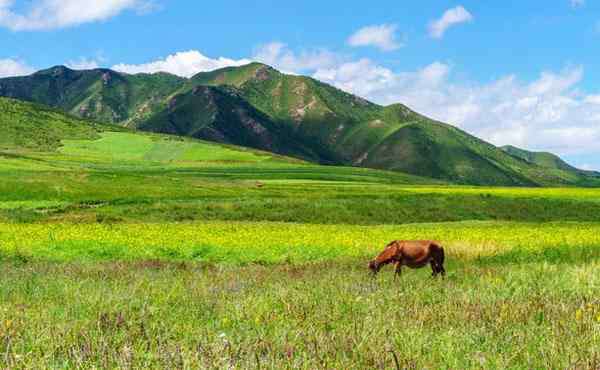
554 164
219 114
99 94
32 126
259 107
542 159
361 133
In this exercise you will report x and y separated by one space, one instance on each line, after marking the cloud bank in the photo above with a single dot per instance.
11 68
54 14
184 64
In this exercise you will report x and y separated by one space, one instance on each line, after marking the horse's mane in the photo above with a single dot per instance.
391 244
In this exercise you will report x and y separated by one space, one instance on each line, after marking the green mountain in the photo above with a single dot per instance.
99 94
549 161
543 159
259 107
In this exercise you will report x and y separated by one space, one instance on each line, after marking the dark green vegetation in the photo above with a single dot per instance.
258 107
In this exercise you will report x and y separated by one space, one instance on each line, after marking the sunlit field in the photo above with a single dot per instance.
188 256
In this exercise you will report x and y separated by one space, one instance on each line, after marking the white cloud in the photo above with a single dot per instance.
592 99
577 3
450 18
278 55
184 64
381 36
361 77
11 68
52 14
589 167
83 64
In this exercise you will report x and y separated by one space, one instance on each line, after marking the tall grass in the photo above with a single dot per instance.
324 315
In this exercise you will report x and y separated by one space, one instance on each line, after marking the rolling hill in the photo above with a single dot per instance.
259 107
542 159
31 126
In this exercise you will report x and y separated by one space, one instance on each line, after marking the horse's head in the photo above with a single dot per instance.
374 266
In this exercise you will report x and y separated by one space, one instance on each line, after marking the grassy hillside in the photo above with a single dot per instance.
55 168
542 159
32 126
258 107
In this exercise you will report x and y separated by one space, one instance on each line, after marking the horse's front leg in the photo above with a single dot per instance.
398 271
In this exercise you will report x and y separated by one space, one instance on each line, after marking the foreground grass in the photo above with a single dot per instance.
324 315
103 264
275 295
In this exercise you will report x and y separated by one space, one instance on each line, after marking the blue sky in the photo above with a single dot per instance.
512 72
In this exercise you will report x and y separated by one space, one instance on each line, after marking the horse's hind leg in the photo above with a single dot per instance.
434 268
441 268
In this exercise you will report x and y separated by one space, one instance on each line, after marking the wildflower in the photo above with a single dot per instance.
579 314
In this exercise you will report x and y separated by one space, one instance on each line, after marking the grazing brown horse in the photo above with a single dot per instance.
414 254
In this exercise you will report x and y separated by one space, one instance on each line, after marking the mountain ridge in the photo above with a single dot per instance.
257 106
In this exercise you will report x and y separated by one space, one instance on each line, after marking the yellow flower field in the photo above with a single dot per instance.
280 242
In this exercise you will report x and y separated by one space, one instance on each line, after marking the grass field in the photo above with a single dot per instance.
141 251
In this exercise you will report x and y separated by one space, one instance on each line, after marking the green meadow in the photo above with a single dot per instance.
126 250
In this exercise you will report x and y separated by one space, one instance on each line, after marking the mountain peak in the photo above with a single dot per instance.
236 76
55 71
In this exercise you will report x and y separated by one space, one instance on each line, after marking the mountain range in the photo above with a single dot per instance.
259 107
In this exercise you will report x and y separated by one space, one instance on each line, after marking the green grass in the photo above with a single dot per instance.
516 296
125 146
25 125
133 250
